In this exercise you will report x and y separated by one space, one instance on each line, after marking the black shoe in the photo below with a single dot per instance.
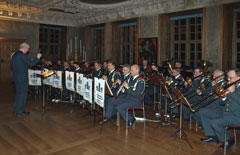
104 121
228 144
210 139
131 122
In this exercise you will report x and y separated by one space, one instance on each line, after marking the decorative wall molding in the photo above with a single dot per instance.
77 13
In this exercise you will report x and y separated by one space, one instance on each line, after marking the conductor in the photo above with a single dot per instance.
20 63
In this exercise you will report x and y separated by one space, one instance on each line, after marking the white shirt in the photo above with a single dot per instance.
126 75
111 71
135 77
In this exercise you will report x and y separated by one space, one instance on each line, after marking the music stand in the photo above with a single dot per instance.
180 131
44 75
166 121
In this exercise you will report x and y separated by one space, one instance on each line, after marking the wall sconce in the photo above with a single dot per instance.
1 12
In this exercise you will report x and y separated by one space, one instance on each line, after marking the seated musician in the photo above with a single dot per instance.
192 87
228 116
77 68
177 79
125 74
130 95
218 79
58 65
178 82
71 65
111 78
97 72
86 68
105 68
154 84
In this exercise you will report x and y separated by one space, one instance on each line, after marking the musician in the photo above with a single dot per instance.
130 96
59 66
66 66
125 77
77 68
126 74
191 93
71 65
228 116
215 105
154 84
177 79
97 72
65 92
105 68
86 68
112 76
19 64
146 69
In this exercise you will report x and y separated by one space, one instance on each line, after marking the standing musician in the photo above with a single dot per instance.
130 96
229 114
19 64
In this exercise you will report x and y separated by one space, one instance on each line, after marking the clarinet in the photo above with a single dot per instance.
120 88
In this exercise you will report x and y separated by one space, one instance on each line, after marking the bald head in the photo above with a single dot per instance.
24 47
135 69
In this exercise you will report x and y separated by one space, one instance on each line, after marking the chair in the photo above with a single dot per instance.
135 108
225 135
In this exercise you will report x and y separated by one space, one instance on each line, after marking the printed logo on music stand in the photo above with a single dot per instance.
79 80
69 77
57 77
87 86
99 88
33 75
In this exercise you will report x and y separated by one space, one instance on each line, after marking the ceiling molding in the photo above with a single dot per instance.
77 13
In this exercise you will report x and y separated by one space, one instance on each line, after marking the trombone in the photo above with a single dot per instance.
220 91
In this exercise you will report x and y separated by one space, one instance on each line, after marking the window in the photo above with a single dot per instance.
124 42
98 43
236 38
186 39
50 41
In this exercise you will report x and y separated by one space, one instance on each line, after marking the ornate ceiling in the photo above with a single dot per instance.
87 12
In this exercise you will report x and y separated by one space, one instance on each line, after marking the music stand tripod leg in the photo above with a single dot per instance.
180 131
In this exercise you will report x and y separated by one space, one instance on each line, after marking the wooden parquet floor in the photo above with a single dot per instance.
59 132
